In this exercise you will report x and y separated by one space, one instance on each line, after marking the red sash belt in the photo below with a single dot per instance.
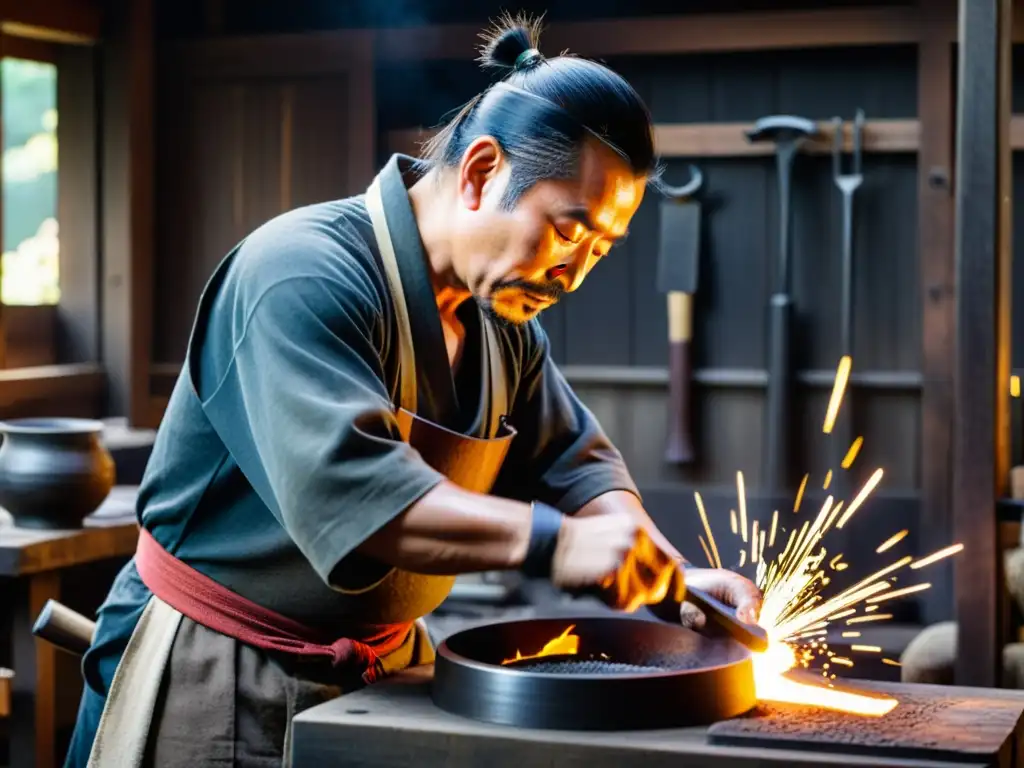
218 608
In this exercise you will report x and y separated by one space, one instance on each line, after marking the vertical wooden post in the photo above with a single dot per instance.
981 392
127 222
936 269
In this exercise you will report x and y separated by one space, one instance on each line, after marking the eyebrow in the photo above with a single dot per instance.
582 215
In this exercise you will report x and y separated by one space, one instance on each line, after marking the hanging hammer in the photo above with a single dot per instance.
788 134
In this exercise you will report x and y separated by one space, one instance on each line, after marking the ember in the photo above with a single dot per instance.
565 644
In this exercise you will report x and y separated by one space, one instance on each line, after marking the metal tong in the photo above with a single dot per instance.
848 183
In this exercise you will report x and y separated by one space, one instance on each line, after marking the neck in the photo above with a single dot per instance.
431 206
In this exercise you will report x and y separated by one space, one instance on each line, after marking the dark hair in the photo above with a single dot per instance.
542 110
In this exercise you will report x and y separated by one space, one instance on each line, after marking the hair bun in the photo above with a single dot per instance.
507 40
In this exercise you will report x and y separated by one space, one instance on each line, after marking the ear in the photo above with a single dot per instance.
481 163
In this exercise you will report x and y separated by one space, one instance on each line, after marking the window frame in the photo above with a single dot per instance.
42 371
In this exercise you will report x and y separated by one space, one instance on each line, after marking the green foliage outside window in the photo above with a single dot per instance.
30 231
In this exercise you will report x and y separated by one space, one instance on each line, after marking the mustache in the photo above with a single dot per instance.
552 290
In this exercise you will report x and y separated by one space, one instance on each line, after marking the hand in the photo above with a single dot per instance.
729 587
613 555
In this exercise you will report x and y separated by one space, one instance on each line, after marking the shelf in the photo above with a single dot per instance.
728 139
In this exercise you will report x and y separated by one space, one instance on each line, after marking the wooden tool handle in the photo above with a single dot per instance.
679 445
67 629
750 635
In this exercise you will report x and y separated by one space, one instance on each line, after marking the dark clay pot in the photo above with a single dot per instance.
53 472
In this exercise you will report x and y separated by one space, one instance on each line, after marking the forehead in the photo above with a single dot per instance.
605 185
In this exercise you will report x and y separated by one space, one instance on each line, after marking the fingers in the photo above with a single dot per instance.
692 617
731 588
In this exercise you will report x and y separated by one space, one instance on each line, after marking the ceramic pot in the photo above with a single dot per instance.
53 472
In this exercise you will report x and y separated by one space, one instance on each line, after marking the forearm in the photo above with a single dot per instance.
451 530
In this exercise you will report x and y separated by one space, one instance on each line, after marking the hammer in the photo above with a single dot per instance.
788 134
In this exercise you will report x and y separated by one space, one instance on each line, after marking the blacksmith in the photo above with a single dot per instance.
368 406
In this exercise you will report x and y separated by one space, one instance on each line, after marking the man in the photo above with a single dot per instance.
297 517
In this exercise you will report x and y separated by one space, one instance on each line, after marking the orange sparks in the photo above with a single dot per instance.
1014 386
892 541
851 634
753 544
851 454
842 660
898 593
707 552
717 561
866 648
869 486
935 557
742 494
891 663
828 480
732 522
866 619
838 389
775 525
799 494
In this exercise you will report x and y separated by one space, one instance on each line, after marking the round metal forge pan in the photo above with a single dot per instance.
628 674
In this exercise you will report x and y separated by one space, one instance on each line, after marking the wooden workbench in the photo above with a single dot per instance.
31 566
395 724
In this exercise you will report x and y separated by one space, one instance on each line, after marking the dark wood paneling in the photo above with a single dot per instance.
935 225
31 335
78 204
237 150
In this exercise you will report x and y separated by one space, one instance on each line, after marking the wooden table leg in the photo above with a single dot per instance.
34 715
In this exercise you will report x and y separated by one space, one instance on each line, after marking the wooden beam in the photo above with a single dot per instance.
726 139
981 407
57 21
50 382
128 206
26 48
696 33
936 275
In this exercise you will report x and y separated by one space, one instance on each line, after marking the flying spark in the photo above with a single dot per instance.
794 571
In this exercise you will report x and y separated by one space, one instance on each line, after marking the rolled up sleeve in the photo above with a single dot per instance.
560 456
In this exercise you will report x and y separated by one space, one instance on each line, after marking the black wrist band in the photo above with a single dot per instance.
544 528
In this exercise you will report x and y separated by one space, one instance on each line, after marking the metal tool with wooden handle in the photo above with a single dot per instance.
788 133
65 628
678 261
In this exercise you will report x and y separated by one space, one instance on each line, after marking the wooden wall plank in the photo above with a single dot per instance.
77 205
706 139
936 267
980 453
61 21
694 33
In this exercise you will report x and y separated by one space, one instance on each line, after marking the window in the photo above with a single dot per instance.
30 267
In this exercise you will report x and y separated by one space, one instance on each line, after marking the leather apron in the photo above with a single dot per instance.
471 462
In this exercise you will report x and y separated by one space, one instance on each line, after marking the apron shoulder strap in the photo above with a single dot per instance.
407 356
498 376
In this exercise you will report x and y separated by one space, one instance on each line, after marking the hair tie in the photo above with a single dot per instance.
526 58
